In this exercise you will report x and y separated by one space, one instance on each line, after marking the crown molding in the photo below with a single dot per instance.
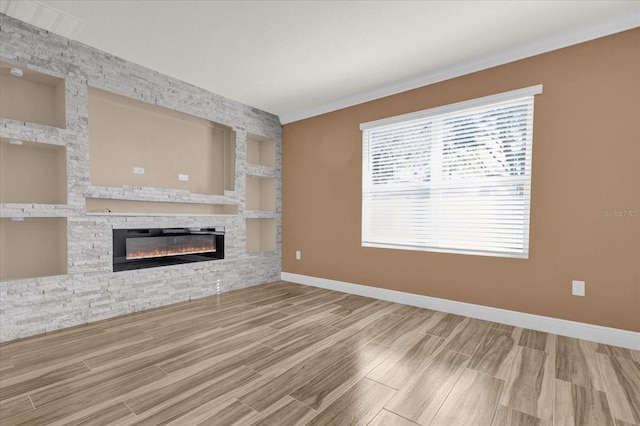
548 44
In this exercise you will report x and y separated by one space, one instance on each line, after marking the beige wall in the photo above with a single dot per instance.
125 133
33 247
586 159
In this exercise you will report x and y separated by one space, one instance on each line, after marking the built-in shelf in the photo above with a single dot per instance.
32 247
261 235
32 172
136 143
261 193
103 206
261 150
34 97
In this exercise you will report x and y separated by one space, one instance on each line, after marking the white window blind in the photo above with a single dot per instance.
451 179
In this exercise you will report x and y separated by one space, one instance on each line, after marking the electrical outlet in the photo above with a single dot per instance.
138 170
298 255
578 288
184 178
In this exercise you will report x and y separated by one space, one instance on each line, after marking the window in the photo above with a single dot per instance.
452 179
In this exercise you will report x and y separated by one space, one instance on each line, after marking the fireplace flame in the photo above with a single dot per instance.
175 251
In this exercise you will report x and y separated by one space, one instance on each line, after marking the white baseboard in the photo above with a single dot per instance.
579 330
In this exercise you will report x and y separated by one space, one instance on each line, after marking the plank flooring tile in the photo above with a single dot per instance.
280 361
272 389
397 335
623 423
538 340
473 401
192 378
287 354
530 383
358 406
231 332
42 380
137 349
218 349
85 384
84 400
287 411
366 313
445 325
467 339
503 327
5 364
45 357
326 387
320 298
509 417
108 415
251 320
182 403
372 330
307 315
288 335
176 329
576 362
579 405
100 387
353 302
387 418
420 399
55 339
397 369
618 352
14 407
230 413
495 353
282 356
622 385
407 311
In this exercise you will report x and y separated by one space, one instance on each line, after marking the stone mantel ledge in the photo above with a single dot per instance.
146 193
38 210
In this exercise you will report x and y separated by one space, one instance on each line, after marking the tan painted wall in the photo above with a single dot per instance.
586 159
33 247
125 133
32 173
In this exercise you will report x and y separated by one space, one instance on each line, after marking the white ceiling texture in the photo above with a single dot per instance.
297 59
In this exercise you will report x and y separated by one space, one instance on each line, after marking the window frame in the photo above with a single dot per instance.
523 95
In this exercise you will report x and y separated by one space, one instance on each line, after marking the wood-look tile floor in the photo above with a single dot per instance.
285 354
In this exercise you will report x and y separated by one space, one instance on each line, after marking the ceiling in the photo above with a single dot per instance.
297 59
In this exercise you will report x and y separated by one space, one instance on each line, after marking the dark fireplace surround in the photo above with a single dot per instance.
154 247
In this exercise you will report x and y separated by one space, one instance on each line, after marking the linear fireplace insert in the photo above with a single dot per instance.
153 247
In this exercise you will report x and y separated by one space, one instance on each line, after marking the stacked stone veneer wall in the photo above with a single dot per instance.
90 291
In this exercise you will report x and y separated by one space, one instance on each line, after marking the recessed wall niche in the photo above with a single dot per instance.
33 97
32 173
261 193
261 150
32 247
261 235
135 143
